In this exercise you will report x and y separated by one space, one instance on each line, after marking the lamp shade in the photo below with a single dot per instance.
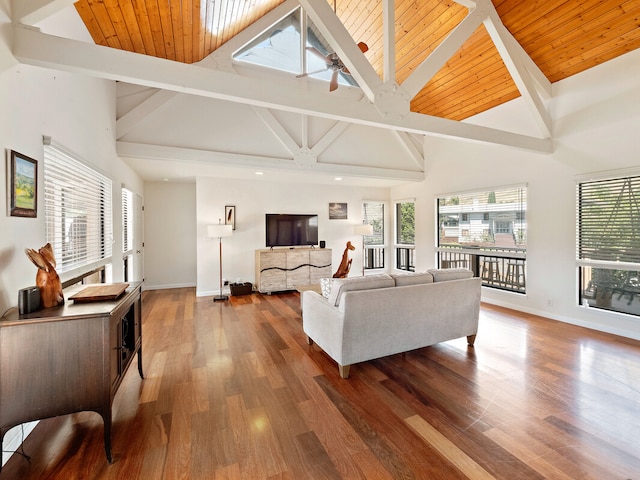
219 231
364 229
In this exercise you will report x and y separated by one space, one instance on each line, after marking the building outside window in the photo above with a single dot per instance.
608 244
485 231
405 235
373 214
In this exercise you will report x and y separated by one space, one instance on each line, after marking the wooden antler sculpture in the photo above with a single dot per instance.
47 279
345 264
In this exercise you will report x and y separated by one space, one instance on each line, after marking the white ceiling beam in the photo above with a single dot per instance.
443 52
520 75
389 40
277 129
189 155
542 82
30 12
410 147
338 37
36 48
136 115
330 137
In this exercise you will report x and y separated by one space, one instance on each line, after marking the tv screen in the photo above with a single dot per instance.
290 230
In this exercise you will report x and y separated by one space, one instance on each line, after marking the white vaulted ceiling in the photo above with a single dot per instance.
185 108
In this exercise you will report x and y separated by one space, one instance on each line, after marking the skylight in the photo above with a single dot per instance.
279 48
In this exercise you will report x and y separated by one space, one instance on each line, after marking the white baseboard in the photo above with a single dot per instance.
166 287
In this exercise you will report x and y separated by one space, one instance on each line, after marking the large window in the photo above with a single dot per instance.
608 244
77 211
485 231
373 214
405 235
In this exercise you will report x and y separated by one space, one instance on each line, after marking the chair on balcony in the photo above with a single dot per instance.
515 276
491 272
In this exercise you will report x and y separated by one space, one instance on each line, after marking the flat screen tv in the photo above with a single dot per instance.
291 230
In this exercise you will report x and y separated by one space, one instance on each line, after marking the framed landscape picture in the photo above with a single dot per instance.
23 185
337 211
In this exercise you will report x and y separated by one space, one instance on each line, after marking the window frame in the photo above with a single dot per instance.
404 252
608 278
374 252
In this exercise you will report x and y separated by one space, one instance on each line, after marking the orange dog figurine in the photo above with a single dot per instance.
345 264
47 279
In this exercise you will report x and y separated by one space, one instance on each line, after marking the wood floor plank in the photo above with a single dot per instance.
232 391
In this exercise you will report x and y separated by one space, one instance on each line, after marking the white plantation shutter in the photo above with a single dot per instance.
78 214
127 221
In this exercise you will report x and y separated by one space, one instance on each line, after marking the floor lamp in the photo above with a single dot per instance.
364 229
219 231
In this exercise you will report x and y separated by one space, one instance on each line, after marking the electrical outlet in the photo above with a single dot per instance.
226 282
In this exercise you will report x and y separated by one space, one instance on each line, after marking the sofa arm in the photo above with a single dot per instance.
323 324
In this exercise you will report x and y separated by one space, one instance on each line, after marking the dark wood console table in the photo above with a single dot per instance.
68 359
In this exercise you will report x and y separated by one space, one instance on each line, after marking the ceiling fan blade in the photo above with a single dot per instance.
363 47
310 73
334 80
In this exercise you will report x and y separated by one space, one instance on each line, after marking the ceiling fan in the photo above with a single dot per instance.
333 63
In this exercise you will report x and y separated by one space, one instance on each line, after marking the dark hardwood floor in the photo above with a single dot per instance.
233 391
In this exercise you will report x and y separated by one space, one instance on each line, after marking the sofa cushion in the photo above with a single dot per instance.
342 285
325 286
445 274
412 278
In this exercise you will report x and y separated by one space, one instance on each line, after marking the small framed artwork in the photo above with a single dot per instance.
230 216
337 211
22 175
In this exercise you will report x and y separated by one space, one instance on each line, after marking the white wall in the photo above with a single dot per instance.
170 235
596 123
77 112
253 199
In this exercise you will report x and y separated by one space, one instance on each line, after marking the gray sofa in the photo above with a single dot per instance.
363 318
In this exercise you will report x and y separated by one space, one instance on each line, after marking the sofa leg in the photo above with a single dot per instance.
309 340
471 339
344 370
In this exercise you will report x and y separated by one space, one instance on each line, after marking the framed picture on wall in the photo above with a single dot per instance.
337 211
22 176
230 216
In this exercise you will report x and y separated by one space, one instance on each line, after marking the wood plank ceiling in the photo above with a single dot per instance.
563 37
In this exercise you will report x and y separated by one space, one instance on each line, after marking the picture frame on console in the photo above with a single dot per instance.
337 211
22 179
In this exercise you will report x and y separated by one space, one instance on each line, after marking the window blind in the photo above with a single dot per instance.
78 215
127 221
609 220
373 214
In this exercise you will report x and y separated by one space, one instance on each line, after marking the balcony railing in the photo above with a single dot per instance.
405 258
501 268
373 257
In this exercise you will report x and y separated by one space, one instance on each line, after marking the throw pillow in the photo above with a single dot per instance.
325 286
342 285
445 274
412 278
